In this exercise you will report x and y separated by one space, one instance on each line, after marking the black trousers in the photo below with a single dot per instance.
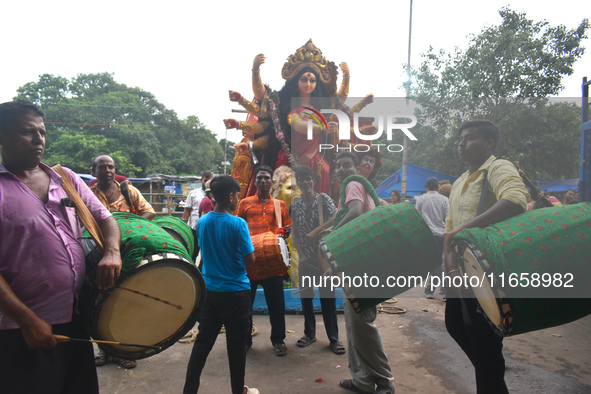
67 368
231 309
329 315
273 288
483 347
328 304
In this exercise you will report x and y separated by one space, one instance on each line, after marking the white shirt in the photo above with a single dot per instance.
434 207
193 200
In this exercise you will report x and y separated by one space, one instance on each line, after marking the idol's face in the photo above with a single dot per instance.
307 84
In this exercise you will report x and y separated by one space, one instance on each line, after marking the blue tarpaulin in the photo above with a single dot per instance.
415 181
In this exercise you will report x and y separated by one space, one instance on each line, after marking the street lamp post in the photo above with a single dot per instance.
407 85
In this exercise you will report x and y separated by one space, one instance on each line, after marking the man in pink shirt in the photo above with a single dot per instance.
42 264
368 363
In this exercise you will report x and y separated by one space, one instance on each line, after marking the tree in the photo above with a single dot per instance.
93 114
505 75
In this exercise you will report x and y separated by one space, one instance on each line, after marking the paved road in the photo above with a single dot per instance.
422 355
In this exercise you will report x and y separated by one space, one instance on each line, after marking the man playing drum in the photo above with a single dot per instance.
42 264
259 213
226 248
110 194
368 363
109 191
505 196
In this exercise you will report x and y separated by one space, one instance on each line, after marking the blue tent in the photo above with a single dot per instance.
415 181
558 185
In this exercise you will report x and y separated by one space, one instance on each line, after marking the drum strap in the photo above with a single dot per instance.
81 209
483 196
320 209
277 205
125 193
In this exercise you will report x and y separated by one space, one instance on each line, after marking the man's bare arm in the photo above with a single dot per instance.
109 267
36 331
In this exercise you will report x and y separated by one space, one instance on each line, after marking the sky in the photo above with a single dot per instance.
190 53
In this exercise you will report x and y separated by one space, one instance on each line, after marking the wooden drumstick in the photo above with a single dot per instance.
151 297
63 338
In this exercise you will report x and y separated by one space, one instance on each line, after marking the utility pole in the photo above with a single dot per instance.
407 85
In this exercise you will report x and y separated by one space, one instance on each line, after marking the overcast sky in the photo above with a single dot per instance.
190 53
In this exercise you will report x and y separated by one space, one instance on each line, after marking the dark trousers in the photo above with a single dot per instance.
438 270
231 309
273 288
329 314
67 368
483 347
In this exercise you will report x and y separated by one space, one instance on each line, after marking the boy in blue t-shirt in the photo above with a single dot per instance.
225 250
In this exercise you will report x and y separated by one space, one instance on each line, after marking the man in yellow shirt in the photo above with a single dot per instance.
506 196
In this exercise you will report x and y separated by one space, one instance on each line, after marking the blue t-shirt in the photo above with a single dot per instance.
224 241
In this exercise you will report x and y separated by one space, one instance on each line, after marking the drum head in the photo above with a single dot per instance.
284 250
155 305
473 263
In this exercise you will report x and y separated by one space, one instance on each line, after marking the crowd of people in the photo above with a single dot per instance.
40 243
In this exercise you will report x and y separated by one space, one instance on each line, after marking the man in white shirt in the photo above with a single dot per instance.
191 212
434 207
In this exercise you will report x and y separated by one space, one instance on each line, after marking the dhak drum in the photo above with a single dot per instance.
271 256
388 241
533 269
178 229
157 298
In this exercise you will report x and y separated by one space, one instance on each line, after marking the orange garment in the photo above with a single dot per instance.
261 217
136 197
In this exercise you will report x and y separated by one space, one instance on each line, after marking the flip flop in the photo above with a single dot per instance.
337 348
100 359
280 349
306 340
127 364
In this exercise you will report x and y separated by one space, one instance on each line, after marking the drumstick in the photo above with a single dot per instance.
63 338
151 297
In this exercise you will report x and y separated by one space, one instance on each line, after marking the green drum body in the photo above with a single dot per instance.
533 270
392 243
179 231
157 298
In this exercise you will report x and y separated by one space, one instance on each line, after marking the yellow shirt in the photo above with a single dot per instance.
504 183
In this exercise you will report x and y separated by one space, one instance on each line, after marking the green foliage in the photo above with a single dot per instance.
93 114
505 75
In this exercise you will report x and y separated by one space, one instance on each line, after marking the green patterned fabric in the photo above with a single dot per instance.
387 241
555 240
140 237
179 227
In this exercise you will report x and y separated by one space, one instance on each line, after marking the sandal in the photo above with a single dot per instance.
280 349
254 330
337 348
306 340
189 337
127 364
100 359
348 384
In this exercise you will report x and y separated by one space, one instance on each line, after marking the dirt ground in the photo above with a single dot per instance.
423 357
